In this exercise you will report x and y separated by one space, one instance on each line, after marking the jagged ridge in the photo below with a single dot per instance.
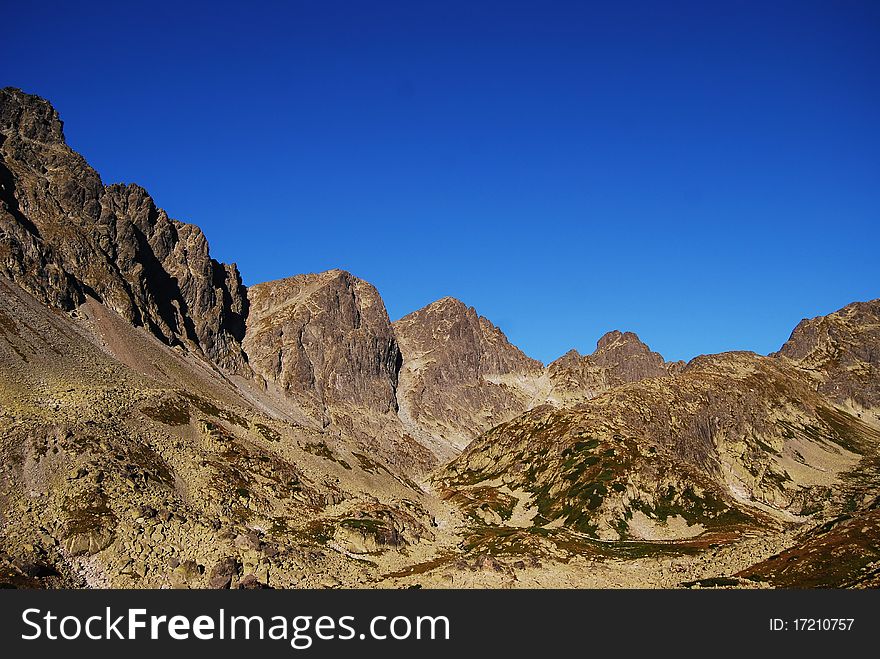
65 236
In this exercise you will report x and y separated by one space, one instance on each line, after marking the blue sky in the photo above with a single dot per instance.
702 173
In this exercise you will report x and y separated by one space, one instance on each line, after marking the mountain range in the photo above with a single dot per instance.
164 425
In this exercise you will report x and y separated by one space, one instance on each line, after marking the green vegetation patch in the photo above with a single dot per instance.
485 499
364 524
318 531
707 509
575 485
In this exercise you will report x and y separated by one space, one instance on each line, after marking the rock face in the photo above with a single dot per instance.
619 358
627 359
64 235
460 375
326 341
842 352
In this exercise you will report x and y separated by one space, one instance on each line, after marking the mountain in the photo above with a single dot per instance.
841 351
734 446
326 338
460 375
66 236
734 433
619 358
162 425
326 343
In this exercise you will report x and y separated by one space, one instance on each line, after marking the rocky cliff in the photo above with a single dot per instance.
325 343
326 340
64 235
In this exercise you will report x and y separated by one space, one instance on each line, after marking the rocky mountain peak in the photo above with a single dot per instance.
618 338
842 351
65 236
627 357
446 303
326 340
29 116
460 374
452 326
619 358
569 359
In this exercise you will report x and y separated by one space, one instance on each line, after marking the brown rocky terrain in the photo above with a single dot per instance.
162 425
735 436
130 463
735 446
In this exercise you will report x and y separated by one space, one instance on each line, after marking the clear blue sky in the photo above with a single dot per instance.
703 173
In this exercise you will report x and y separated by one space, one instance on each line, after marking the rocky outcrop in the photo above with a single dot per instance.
64 235
627 359
379 529
619 358
326 340
842 352
460 375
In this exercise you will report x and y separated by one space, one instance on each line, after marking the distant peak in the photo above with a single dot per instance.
448 300
337 272
567 360
445 305
327 275
614 337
